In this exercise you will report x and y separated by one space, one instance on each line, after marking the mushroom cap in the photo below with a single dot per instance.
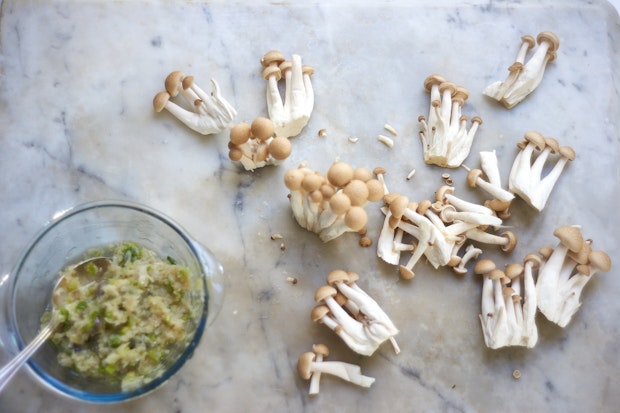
513 270
363 174
324 292
304 365
398 206
339 174
511 243
460 95
356 218
570 236
293 179
379 170
549 37
433 80
600 261
440 194
529 40
536 139
375 190
318 312
307 70
285 66
533 258
545 252
240 133
507 292
472 177
553 144
582 256
316 196
390 197
272 71
447 86
405 273
327 190
272 56
353 277
235 154
357 191
262 128
423 206
280 148
321 349
567 152
496 274
312 182
339 203
476 119
484 266
160 100
337 276
187 82
173 82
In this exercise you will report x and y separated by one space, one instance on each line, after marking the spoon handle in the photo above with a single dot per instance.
10 369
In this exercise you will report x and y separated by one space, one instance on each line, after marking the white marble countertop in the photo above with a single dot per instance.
76 88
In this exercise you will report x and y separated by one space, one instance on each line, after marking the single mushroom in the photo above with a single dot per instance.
308 365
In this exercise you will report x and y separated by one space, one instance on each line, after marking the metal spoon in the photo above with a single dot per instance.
84 271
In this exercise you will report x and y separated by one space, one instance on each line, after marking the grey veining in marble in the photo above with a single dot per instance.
76 85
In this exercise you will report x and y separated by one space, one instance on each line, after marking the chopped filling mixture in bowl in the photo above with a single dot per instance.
124 322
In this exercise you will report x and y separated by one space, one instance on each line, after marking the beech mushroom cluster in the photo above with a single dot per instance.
291 114
438 230
445 139
333 204
508 308
551 281
256 145
524 78
527 178
352 314
311 365
209 114
564 272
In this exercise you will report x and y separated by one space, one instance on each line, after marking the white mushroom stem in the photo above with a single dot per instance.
490 167
346 371
463 205
449 214
474 180
506 240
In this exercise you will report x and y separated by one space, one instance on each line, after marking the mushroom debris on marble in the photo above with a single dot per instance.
292 114
446 142
524 78
526 175
256 145
352 314
209 114
437 231
508 304
333 204
311 365
564 272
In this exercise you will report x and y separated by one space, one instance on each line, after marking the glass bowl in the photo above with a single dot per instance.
65 241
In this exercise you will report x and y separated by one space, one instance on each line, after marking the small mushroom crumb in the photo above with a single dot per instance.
282 247
390 129
386 141
353 139
322 133
291 280
365 242
516 374
276 237
410 174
